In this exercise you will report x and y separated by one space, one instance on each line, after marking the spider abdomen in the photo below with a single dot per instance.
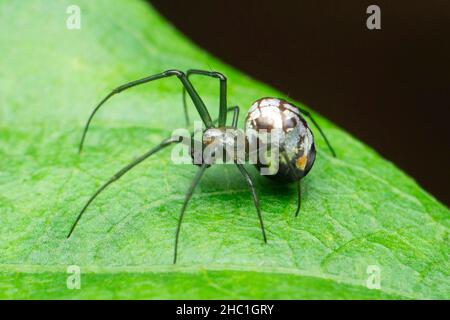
277 116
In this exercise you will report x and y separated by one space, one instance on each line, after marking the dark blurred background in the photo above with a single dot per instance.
389 87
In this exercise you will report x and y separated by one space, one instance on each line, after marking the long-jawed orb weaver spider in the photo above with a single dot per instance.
297 149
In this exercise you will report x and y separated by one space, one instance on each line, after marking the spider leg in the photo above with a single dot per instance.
255 197
120 173
235 110
306 113
201 108
223 93
189 193
299 189
235 116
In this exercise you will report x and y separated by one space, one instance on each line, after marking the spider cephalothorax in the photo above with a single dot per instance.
294 149
226 143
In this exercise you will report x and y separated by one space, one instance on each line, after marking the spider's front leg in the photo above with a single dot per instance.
200 106
222 93
188 196
120 173
251 185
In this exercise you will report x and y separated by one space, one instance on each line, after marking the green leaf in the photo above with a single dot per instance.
358 210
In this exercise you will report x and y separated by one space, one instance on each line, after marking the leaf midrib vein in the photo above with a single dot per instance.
5 268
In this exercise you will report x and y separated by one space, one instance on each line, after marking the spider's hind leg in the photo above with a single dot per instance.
299 189
306 113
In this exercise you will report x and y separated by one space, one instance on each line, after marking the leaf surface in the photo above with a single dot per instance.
358 210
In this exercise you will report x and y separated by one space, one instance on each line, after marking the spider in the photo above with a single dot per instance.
297 148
